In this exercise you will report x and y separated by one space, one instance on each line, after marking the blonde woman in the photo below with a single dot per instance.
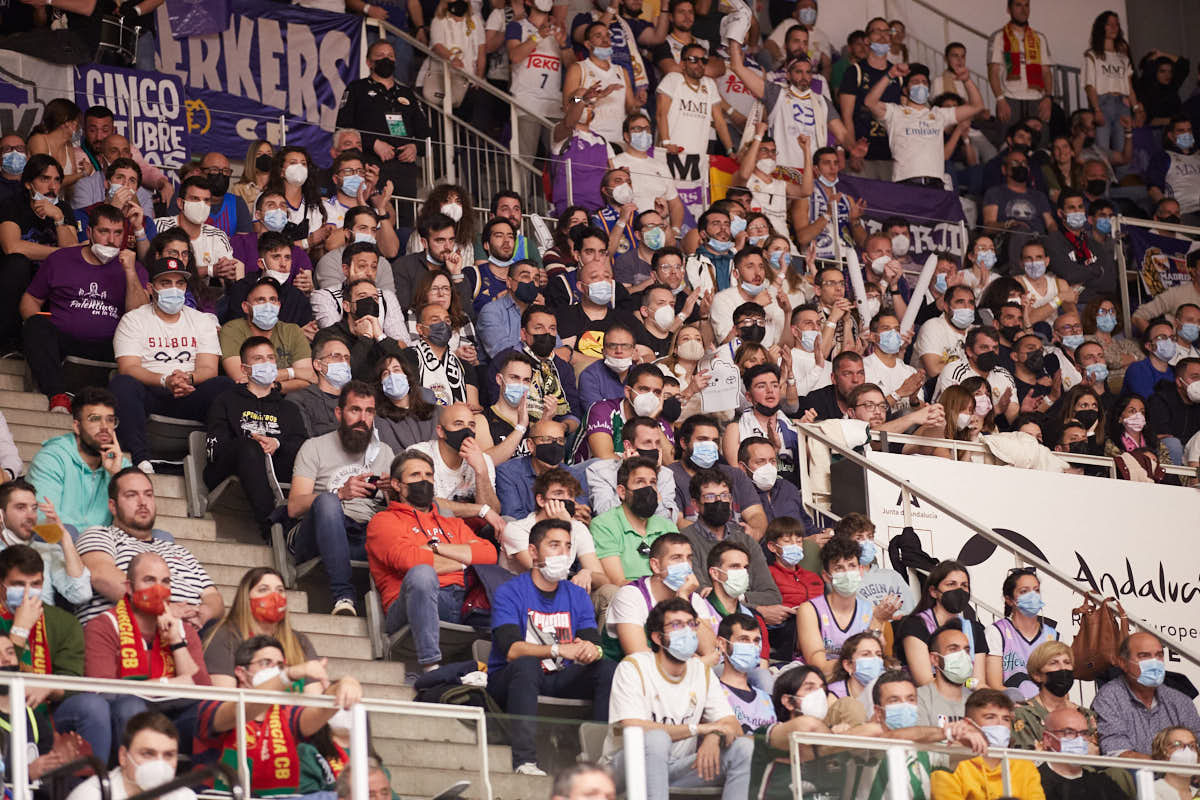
1051 667
58 135
682 362
259 609
255 171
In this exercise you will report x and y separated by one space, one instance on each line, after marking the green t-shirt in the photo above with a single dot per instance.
614 536
287 338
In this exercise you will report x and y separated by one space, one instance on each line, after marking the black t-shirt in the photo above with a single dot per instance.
823 401
39 230
1088 786
588 332
914 625
659 346
858 80
1168 415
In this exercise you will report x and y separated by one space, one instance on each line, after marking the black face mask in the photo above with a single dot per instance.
262 163
752 333
1096 186
955 600
1019 173
1010 331
715 515
549 453
671 409
1035 361
766 411
366 307
218 185
643 502
651 455
419 493
294 231
384 67
527 292
988 361
457 8
542 344
1170 219
1059 682
1079 448
456 438
1087 417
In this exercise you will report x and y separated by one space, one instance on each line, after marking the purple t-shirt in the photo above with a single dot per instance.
84 301
245 250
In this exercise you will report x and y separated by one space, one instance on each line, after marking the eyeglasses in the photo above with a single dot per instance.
348 172
724 497
218 171
95 419
1072 329
834 283
548 439
1069 733
678 626
618 347
873 406
669 267
694 60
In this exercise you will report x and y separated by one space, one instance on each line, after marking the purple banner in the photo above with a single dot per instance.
1159 260
149 109
933 214
197 17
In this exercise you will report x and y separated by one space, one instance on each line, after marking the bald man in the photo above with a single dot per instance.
464 477
229 211
1066 731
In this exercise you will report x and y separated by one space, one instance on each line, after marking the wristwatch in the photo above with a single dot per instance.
693 729
554 650
433 545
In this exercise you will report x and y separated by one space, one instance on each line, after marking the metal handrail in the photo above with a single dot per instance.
955 445
810 431
69 770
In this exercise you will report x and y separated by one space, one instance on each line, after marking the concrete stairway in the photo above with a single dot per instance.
424 754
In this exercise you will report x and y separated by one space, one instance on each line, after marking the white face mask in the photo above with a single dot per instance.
815 704
765 476
765 165
665 315
623 193
152 773
555 568
295 174
105 252
452 210
265 675
646 404
900 245
195 211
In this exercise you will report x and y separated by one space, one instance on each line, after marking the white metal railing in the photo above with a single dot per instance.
956 446
810 433
896 751
1120 222
18 682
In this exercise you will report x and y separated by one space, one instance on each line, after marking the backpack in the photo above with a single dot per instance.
1101 631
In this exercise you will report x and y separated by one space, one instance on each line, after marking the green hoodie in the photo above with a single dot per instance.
78 492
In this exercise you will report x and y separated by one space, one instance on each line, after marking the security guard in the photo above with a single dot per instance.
392 124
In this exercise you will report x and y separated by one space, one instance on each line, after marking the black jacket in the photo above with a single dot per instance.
237 414
364 352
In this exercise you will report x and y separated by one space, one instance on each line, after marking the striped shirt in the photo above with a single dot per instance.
189 580
210 246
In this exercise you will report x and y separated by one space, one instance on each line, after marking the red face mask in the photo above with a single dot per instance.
269 608
152 600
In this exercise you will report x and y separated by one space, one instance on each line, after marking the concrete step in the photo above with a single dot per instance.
36 433
416 728
19 416
388 691
168 486
170 506
211 553
297 601
423 782
446 756
375 672
12 366
15 383
187 527
347 646
30 401
328 624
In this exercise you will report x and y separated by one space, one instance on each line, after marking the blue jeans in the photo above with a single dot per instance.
1111 135
327 532
664 773
1174 449
88 715
421 603
136 401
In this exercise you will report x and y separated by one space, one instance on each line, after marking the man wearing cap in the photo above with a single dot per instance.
915 131
167 358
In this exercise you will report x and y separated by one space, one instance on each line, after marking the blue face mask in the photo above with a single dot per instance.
13 595
962 318
677 575
1076 745
14 162
737 225
807 16
275 220
1165 349
997 735
1097 371
743 656
890 341
826 182
900 715
880 48
1188 331
683 643
499 262
1031 603
338 374
757 240
602 53
1185 141
808 339
360 236
264 373
1035 268
395 385
113 188
641 140
600 293
170 301
918 93
780 259
1154 671
654 238
1076 220
752 289
718 246
704 454
866 552
939 282
39 196
1073 340
867 668
986 258
264 315
1104 225
1106 322
351 184
514 393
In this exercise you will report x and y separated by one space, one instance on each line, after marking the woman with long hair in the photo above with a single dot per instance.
455 202
1011 640
436 287
859 664
981 259
561 257
59 134
256 169
1108 80
1128 430
294 175
405 411
946 595
1082 404
1102 322
457 35
682 362
1063 171
259 608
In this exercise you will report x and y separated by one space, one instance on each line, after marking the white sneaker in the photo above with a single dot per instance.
146 467
530 768
344 608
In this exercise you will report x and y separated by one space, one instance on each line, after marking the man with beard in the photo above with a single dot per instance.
552 376
66 576
334 492
642 437
488 279
699 439
624 534
463 475
229 212
72 471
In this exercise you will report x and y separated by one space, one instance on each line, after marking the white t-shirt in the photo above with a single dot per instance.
915 136
1191 452
810 377
641 691
455 484
651 178
1019 89
938 336
608 113
515 539
90 789
462 37
770 199
209 247
999 380
886 378
538 79
165 346
1107 73
335 212
726 300
497 61
689 119
629 606
734 92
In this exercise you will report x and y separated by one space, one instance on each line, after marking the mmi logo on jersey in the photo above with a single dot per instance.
694 107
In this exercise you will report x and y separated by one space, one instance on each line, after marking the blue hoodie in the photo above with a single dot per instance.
78 492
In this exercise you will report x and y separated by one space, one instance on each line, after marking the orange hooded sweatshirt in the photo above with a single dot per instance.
397 540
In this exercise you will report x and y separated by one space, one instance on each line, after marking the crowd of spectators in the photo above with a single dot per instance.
603 423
